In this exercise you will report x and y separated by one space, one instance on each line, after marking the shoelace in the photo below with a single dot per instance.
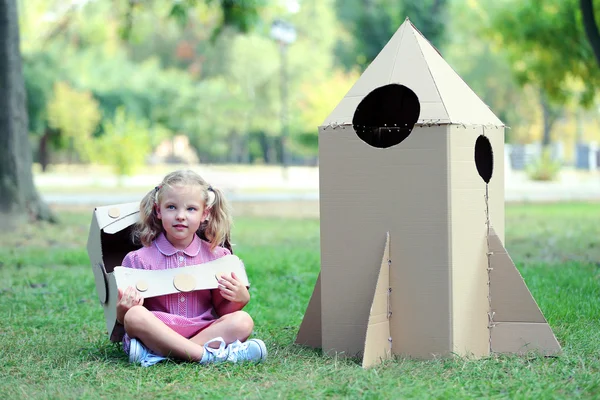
220 351
237 346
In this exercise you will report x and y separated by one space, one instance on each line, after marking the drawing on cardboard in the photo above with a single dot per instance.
109 241
412 220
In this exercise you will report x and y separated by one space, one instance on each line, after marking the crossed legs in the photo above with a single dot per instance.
162 340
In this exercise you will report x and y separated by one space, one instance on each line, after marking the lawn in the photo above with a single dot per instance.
53 342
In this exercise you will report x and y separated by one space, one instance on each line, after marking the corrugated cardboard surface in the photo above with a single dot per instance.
113 218
511 299
426 192
496 186
410 59
95 255
364 193
461 103
119 212
523 337
109 222
310 333
115 331
161 282
518 324
377 343
200 277
469 247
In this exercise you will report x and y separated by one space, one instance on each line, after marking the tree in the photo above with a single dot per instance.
429 16
591 27
40 72
485 68
124 145
547 47
78 127
318 99
239 116
371 23
552 46
241 15
18 196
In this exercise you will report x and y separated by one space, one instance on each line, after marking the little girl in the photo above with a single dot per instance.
185 221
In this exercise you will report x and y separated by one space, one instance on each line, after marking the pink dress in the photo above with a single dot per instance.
185 313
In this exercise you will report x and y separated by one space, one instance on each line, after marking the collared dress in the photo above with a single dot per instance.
186 313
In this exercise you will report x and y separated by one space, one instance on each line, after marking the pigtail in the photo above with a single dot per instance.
217 228
149 226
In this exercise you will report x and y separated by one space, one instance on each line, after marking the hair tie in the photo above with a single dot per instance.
156 189
211 197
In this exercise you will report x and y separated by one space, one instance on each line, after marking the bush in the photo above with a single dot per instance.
544 168
124 145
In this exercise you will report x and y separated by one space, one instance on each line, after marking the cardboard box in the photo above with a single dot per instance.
412 219
109 241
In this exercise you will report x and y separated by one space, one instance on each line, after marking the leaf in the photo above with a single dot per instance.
179 12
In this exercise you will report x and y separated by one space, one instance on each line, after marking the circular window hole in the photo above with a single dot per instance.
387 115
484 158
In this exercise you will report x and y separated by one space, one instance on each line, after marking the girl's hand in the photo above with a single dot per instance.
131 297
232 289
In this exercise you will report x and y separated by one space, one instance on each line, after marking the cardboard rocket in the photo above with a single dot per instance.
412 220
110 240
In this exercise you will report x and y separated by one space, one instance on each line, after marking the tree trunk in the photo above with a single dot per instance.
44 153
234 147
271 150
549 114
18 196
591 28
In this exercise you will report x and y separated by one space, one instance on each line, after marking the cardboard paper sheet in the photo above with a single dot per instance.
428 193
309 333
518 323
378 342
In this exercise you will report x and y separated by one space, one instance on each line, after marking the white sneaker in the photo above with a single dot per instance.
253 350
214 355
139 354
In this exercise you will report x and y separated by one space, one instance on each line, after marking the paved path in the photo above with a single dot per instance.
264 184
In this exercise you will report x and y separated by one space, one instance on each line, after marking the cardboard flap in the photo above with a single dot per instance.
511 300
378 345
96 260
460 102
115 331
114 218
521 338
309 333
122 223
153 283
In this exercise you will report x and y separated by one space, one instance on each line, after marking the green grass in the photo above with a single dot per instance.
53 342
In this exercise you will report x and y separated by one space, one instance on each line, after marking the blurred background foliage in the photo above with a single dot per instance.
111 81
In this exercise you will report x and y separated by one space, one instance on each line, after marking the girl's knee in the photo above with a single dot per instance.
243 323
135 319
246 319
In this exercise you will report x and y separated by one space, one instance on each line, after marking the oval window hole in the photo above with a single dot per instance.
484 158
387 115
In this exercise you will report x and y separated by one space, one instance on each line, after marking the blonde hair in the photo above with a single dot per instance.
216 229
